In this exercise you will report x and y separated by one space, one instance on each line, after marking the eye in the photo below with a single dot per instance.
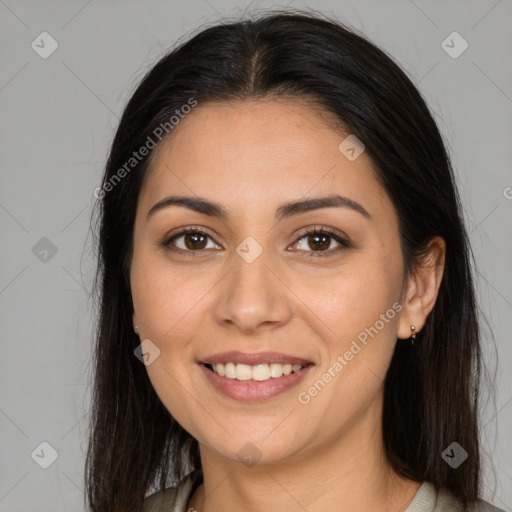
320 240
194 240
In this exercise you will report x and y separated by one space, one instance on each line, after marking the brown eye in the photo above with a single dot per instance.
193 240
320 241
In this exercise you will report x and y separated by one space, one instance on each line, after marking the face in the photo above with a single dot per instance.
257 281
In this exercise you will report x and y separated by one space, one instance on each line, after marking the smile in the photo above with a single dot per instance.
253 383
259 372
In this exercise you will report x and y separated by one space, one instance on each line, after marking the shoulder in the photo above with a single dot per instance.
427 499
477 506
173 499
160 501
484 506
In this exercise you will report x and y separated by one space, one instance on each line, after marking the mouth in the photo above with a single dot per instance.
260 372
254 377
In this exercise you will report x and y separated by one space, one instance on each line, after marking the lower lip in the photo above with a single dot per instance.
253 390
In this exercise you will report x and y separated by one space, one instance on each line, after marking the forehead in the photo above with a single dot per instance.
250 154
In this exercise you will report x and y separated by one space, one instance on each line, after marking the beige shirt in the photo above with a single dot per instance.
426 499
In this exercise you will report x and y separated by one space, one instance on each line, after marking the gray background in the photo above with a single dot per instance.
58 119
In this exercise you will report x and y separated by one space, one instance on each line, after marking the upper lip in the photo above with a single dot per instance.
254 358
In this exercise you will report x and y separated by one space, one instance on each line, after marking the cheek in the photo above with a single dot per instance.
173 385
362 316
165 296
354 297
361 312
167 304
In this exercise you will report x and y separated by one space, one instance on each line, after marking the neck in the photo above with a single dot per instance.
349 473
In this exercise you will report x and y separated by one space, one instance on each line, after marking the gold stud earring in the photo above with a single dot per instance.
413 334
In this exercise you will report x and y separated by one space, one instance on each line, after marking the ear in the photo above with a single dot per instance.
422 288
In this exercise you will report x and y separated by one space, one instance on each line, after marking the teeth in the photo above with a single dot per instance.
243 372
259 372
230 370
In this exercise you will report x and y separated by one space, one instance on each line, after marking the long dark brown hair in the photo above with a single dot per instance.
431 388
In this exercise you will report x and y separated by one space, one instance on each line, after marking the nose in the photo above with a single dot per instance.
253 297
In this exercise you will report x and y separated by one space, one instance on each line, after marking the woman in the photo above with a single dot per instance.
287 316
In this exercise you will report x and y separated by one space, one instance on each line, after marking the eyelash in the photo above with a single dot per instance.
344 244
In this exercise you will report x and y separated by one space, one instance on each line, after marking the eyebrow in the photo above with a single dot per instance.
213 209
